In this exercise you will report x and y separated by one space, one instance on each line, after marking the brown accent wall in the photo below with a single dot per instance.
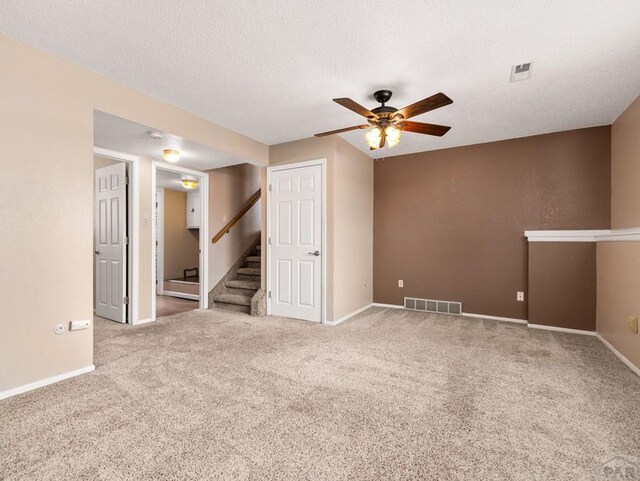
562 284
451 223
181 245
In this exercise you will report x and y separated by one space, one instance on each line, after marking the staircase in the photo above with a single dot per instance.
239 290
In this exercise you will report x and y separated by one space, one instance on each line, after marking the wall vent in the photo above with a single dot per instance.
430 305
521 72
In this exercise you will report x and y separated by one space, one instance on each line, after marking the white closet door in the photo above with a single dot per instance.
110 234
296 243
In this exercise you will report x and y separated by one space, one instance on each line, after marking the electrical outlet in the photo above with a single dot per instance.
60 328
78 325
632 322
400 283
520 296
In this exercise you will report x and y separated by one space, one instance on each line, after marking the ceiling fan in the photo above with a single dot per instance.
389 122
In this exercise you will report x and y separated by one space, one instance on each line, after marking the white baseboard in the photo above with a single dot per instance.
388 306
495 318
45 382
619 355
562 329
182 295
142 321
348 316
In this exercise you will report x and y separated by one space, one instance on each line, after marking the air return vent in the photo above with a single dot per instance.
521 72
430 305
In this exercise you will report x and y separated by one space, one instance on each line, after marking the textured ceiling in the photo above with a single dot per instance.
270 69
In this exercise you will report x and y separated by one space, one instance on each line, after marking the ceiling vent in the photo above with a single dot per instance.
521 72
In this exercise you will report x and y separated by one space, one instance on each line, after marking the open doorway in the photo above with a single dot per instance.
179 239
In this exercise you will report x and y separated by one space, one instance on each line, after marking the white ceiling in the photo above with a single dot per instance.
115 133
270 69
172 181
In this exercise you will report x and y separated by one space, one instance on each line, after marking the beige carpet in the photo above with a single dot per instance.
390 394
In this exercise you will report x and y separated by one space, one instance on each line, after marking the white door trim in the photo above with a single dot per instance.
133 220
295 165
160 238
203 178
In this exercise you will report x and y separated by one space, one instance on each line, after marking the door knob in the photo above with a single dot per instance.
97 252
316 253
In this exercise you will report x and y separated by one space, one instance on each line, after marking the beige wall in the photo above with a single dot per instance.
618 263
349 222
46 132
352 230
181 245
229 189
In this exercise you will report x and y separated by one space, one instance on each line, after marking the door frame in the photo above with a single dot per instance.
133 228
160 237
203 179
323 222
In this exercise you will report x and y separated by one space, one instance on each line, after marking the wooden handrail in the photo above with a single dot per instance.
225 230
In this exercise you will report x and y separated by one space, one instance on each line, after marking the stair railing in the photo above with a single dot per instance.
247 206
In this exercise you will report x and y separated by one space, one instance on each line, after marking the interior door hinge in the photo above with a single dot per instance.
269 240
269 187
269 294
126 241
126 181
125 300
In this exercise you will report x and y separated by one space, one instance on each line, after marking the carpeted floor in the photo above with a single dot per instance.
390 394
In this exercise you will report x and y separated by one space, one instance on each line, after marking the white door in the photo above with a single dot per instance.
110 237
296 243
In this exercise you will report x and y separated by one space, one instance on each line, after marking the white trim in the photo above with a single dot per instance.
348 316
144 321
324 249
133 266
159 279
619 355
598 235
564 235
561 329
620 235
495 318
182 295
45 382
204 231
387 306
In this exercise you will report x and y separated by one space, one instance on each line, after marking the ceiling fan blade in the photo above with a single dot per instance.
355 107
347 129
420 128
425 105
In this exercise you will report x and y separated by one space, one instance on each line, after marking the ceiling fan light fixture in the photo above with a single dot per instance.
393 135
373 137
189 183
171 155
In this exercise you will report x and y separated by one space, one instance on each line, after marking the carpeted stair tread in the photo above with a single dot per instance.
236 299
254 259
240 284
249 271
